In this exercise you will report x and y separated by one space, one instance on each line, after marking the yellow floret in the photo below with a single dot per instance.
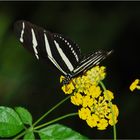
135 85
103 123
76 99
92 120
108 95
68 89
84 113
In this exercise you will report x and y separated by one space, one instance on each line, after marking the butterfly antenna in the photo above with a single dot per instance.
110 52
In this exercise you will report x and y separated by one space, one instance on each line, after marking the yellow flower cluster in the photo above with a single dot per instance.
135 85
95 103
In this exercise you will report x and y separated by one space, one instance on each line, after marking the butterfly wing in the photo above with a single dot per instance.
91 60
61 51
67 51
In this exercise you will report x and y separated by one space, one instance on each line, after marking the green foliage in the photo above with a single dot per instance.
13 121
25 115
29 135
10 122
58 131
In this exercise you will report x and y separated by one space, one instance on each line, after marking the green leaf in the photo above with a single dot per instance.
29 135
10 123
25 115
57 131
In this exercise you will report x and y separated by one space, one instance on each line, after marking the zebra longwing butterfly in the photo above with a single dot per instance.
64 53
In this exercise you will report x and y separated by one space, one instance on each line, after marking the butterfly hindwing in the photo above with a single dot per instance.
91 60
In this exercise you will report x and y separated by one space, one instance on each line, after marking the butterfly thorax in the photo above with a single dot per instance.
67 79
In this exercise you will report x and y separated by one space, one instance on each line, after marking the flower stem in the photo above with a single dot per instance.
42 117
20 135
110 104
55 120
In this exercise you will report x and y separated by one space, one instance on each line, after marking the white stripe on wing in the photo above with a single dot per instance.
48 50
64 57
22 32
91 62
34 42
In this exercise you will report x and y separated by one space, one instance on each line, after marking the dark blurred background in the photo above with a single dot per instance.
24 81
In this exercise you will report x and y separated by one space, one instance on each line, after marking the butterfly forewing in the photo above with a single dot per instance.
61 51
70 48
32 38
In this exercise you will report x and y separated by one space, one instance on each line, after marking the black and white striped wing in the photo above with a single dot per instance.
90 60
61 51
